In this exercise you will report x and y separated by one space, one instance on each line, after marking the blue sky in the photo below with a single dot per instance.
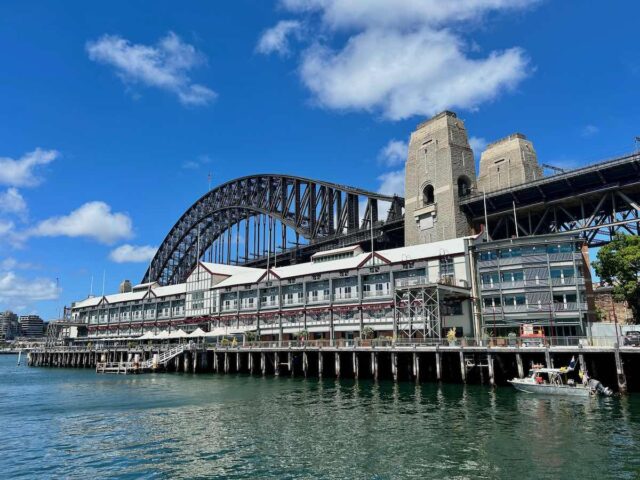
112 114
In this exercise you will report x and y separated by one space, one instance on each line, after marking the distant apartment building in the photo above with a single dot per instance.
9 327
31 326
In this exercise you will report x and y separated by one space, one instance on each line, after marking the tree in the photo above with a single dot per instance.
618 264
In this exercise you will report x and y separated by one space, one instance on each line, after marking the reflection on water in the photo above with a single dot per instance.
76 424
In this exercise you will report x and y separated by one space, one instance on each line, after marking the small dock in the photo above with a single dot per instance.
157 361
124 368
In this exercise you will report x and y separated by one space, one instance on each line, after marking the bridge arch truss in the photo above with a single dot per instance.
251 219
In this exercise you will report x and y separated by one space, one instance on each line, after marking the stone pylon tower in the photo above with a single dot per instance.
440 169
508 162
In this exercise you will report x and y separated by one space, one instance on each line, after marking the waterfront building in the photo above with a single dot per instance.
9 327
418 291
31 326
544 281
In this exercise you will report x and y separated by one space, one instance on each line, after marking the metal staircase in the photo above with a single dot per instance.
164 357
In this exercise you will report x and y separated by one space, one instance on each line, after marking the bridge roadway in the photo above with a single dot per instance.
469 363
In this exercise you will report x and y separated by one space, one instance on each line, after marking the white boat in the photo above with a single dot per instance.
554 381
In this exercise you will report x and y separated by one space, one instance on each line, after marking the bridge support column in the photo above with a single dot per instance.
416 367
492 381
290 362
276 363
238 362
520 366
463 367
226 362
250 363
263 363
622 379
438 366
337 360
215 361
320 364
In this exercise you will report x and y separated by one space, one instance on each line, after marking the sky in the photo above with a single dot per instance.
113 114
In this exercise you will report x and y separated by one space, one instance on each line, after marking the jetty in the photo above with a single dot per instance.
418 360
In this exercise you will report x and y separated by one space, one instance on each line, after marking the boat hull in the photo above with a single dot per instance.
546 389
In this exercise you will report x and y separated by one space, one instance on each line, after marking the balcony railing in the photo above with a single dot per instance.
269 303
318 299
292 301
515 308
229 308
345 296
556 282
248 306
376 293
411 281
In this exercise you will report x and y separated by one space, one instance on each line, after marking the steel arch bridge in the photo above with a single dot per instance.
278 218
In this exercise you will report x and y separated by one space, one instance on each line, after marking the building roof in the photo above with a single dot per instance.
169 290
88 302
227 270
243 278
336 251
125 297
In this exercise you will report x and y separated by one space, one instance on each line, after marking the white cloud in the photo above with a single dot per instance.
394 153
21 172
164 65
11 263
276 39
17 290
6 229
392 183
12 202
406 60
132 253
197 163
477 144
589 130
92 220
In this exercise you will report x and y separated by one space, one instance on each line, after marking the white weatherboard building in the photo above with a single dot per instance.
416 291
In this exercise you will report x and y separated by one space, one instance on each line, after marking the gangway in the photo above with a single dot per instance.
150 365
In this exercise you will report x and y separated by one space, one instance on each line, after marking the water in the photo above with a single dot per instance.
67 423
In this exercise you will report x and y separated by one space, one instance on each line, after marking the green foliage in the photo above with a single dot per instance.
451 335
618 264
367 332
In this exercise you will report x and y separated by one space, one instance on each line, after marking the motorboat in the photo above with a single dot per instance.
556 381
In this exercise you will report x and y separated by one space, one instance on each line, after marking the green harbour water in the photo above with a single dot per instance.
72 423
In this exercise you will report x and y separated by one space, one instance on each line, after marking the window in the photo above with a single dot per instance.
428 196
490 279
489 255
513 276
515 300
491 301
464 186
510 253
446 266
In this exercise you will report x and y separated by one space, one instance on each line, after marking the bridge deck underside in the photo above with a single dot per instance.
596 202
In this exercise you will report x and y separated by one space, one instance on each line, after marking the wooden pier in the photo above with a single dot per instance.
615 366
